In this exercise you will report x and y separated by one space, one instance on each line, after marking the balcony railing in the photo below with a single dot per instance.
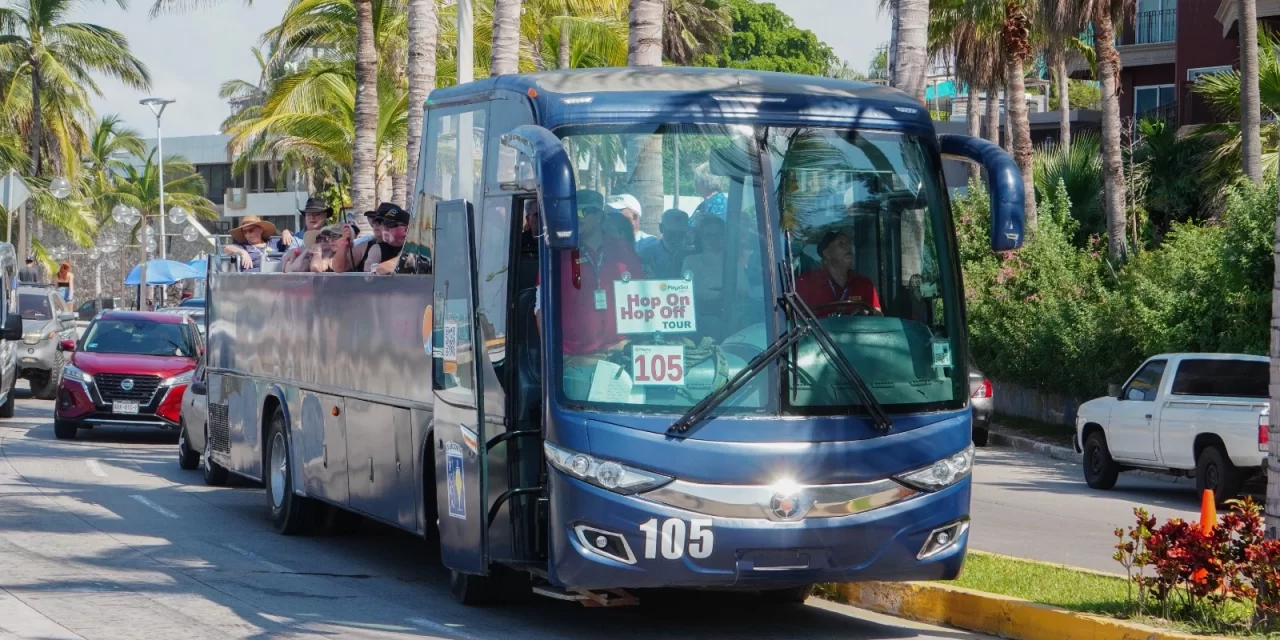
1155 26
1166 112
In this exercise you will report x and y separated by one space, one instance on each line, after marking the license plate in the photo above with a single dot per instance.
124 407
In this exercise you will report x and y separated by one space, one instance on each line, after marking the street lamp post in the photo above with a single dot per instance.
157 106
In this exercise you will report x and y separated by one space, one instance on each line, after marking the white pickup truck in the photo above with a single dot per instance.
1189 414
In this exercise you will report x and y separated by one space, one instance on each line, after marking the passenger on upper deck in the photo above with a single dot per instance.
250 242
587 274
663 259
385 253
350 253
315 214
835 281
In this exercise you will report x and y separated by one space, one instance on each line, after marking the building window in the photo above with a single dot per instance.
1155 21
1151 99
1194 74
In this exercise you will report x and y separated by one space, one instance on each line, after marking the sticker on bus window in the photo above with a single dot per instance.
450 351
941 353
649 306
454 479
657 364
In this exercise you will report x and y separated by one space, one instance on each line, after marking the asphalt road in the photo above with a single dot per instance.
1032 506
105 537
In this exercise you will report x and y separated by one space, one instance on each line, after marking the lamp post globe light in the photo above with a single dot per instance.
60 187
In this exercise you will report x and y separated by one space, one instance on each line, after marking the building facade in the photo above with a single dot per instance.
1165 45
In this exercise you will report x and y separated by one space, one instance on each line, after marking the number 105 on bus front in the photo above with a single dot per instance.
657 365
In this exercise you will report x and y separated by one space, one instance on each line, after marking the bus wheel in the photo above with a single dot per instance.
290 514
474 591
793 595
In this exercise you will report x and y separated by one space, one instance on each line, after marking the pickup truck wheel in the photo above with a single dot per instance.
1214 470
1100 471
980 436
46 388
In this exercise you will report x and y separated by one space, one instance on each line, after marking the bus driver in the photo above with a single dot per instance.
834 288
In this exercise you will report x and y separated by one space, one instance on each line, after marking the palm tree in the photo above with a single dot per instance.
691 28
644 49
1065 19
911 55
1250 101
505 53
1224 93
363 161
976 52
424 27
140 188
110 146
644 44
62 55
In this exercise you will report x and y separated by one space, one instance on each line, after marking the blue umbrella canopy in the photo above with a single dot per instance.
162 272
200 266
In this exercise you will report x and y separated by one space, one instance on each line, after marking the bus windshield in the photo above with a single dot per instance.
699 229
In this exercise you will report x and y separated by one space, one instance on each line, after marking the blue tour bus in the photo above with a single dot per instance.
679 328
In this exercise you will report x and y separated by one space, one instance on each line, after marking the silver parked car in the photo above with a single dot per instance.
46 321
980 399
193 433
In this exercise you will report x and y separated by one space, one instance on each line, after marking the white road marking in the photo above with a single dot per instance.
432 625
159 509
95 468
259 559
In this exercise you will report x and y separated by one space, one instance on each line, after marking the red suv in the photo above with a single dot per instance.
129 369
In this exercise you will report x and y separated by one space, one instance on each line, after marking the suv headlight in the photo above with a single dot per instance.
941 474
181 378
72 372
606 474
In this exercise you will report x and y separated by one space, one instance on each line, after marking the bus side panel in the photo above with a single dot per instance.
380 467
322 446
243 400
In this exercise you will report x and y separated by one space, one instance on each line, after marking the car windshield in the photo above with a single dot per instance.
658 310
34 306
192 302
140 337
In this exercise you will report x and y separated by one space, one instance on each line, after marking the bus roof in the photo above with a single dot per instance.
586 96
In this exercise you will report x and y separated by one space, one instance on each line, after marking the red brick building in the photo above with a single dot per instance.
1166 44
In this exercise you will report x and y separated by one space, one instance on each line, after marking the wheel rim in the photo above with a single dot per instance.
279 469
1095 459
182 443
1211 476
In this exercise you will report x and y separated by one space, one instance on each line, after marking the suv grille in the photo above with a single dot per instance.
144 387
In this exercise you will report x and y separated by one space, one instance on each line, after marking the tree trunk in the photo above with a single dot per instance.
1273 479
993 114
644 42
1020 127
24 235
973 120
399 184
644 49
911 55
1064 100
424 29
565 48
1008 118
363 151
1112 167
1250 101
504 56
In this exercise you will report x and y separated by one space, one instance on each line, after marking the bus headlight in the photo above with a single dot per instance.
941 474
606 474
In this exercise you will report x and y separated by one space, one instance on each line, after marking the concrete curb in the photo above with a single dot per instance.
994 614
1001 439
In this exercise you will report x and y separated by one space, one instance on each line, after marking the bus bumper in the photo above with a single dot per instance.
880 544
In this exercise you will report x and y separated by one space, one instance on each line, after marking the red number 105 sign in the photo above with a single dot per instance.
658 365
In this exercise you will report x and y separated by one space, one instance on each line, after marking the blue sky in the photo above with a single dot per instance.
190 55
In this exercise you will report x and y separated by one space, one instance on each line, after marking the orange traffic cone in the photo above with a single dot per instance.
1208 512
1208 520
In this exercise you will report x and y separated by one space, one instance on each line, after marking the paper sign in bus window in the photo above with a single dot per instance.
450 350
649 306
659 364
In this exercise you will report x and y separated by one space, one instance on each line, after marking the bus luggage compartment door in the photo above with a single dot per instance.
458 436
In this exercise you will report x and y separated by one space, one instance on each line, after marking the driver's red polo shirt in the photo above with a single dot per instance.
583 328
818 288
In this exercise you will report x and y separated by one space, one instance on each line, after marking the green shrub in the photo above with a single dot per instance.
1056 316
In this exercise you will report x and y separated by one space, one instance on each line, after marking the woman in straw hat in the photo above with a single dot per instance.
251 242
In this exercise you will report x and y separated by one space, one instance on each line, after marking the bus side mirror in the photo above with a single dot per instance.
554 182
1004 181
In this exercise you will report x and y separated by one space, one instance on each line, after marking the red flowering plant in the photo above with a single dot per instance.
1183 571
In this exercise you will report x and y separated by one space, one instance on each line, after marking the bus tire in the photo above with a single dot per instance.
792 595
291 514
474 591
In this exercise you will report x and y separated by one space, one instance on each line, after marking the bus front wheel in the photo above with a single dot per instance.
474 591
291 514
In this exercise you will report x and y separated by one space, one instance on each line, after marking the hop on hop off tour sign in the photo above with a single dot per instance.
654 306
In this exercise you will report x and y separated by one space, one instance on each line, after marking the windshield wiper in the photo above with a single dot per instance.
802 315
803 323
757 364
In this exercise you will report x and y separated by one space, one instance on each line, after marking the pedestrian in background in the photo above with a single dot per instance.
65 281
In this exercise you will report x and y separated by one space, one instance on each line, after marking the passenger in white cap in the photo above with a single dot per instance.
629 207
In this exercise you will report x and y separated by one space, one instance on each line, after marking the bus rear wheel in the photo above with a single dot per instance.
291 514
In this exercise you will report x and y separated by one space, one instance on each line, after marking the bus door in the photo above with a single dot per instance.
459 433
